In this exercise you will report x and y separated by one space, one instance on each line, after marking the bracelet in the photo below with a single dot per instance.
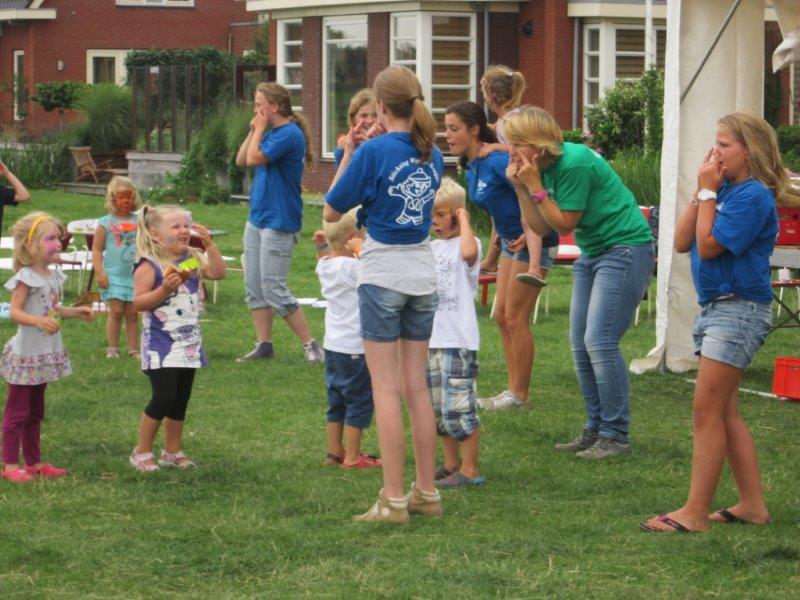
538 197
322 246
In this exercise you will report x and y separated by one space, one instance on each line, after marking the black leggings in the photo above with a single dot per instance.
172 388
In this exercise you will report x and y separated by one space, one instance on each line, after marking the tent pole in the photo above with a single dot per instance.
722 29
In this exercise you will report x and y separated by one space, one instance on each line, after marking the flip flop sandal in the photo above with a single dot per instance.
531 280
672 523
442 472
730 518
458 479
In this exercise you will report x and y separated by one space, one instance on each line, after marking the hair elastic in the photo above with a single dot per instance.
34 226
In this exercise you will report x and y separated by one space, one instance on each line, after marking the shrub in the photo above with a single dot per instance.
106 109
789 144
629 116
38 165
58 95
641 174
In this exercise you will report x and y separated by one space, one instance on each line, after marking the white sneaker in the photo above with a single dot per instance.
504 401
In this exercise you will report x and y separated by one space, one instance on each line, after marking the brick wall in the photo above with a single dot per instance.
91 24
773 38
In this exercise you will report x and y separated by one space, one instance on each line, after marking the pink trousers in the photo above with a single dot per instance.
22 420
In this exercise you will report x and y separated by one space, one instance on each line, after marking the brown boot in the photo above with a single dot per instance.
424 503
386 510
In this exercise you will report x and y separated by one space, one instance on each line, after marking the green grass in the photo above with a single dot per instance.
260 516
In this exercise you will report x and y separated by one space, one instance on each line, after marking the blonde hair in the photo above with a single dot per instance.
342 230
534 126
763 156
28 232
279 95
151 217
451 194
503 87
116 184
399 89
361 97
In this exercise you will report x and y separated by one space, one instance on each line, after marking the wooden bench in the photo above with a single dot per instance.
87 168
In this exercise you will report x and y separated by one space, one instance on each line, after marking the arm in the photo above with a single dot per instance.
17 312
98 243
709 177
241 155
562 221
256 158
84 313
468 245
215 267
685 229
329 214
487 149
321 244
21 193
147 298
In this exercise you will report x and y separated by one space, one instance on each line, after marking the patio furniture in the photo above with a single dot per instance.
87 168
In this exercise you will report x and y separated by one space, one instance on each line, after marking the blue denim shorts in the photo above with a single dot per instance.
451 381
731 331
545 262
349 389
387 315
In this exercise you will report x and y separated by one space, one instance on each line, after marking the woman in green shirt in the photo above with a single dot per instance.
569 187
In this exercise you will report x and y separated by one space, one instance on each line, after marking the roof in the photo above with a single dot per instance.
4 4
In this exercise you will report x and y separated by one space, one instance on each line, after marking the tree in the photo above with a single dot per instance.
58 95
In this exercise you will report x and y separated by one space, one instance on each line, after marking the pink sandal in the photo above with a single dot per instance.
17 476
139 462
47 470
175 459
364 462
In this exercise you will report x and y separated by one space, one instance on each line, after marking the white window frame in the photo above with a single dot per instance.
281 58
587 54
343 20
17 54
120 75
424 61
157 3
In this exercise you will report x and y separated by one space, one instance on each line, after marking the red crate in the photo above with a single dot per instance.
788 227
786 378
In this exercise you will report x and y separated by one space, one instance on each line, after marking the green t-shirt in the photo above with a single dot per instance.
582 180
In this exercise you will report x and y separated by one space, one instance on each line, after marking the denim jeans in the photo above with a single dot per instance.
605 293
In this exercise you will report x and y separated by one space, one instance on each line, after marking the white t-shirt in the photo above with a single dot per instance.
338 278
455 324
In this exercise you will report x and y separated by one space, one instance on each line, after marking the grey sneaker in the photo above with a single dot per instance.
504 401
584 441
313 352
604 448
262 350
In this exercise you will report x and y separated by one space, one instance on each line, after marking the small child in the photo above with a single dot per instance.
452 357
35 355
113 251
166 282
347 378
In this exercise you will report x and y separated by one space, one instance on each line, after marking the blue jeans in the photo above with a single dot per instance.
606 290
349 389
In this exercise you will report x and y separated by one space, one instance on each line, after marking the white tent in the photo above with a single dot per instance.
732 79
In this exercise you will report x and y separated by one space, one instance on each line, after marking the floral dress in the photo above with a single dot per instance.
32 357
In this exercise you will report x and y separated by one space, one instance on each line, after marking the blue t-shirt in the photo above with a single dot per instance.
747 225
489 188
385 175
275 200
338 155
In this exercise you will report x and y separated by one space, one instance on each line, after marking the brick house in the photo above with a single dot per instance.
87 40
568 50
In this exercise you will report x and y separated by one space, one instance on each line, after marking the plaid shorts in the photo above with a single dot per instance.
451 380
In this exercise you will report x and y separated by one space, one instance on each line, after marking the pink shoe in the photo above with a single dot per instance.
47 470
17 476
364 462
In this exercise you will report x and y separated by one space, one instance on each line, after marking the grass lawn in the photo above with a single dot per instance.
261 516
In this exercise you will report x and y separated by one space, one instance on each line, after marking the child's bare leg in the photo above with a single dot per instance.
131 327
352 443
534 245
492 258
116 310
334 429
469 455
413 361
173 434
148 427
450 448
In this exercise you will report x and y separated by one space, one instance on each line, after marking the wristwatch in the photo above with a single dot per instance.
705 195
538 197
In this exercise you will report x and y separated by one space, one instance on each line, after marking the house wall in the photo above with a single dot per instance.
91 24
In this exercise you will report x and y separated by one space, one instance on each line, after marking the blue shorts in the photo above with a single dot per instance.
731 331
349 389
451 380
387 315
545 262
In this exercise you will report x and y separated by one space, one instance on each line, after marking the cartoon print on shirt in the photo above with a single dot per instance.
175 317
124 234
445 280
416 191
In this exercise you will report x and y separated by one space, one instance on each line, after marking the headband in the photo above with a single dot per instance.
34 226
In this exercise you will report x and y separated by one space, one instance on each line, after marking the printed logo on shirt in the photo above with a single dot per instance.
445 282
480 188
416 190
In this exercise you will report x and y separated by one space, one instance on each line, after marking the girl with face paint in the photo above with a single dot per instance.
35 355
113 251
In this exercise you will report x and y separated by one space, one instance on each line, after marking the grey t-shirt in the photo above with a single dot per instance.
405 268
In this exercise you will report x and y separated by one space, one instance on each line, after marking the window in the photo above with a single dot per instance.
440 48
591 66
167 3
290 60
106 66
20 94
344 56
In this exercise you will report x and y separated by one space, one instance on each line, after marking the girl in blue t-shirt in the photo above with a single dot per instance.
361 115
277 145
729 226
394 176
466 132
113 251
